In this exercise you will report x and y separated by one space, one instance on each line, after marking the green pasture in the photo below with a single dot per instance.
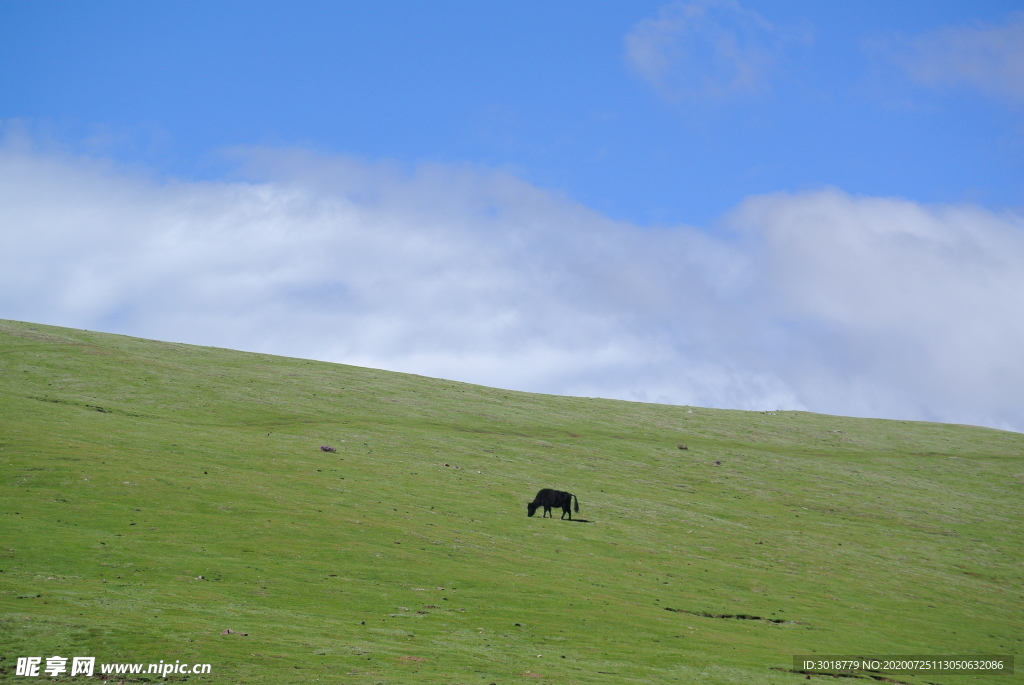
153 495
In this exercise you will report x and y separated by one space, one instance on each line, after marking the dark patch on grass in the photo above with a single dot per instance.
102 410
742 617
866 676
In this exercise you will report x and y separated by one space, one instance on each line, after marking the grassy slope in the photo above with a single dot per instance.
130 467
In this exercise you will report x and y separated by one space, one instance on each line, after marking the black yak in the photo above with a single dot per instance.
548 498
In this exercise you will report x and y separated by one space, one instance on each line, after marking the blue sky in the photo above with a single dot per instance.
746 204
543 89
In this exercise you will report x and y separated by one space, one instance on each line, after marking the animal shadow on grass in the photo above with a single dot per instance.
580 521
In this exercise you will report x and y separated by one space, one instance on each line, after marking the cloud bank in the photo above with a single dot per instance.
820 300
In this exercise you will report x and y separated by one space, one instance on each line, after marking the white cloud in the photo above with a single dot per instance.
822 301
985 57
708 50
885 304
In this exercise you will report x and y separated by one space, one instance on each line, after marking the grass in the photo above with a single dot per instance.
130 468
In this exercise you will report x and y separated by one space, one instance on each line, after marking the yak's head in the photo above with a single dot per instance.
531 509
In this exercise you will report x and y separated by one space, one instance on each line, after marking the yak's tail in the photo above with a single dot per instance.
577 503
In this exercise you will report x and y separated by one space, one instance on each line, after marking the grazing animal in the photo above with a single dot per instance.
549 498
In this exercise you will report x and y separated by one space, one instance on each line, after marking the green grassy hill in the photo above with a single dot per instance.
153 495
